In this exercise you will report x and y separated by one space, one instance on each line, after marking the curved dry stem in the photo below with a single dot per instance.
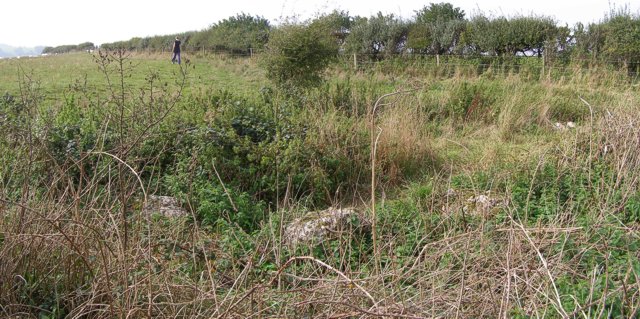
144 192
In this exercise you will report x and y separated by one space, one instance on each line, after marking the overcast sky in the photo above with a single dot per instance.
52 23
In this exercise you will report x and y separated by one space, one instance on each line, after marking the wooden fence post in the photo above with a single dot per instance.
544 62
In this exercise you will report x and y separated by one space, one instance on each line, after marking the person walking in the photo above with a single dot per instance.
176 51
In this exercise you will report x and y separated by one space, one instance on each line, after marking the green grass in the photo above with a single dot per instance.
55 74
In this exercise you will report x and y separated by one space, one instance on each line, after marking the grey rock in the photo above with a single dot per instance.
318 226
484 204
164 205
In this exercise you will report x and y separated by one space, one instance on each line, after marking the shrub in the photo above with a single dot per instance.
298 54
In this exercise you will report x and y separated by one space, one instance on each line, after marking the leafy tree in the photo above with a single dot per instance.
437 28
86 46
164 42
529 34
237 34
201 40
136 43
615 40
482 35
377 36
337 23
622 40
509 36
588 41
558 48
297 54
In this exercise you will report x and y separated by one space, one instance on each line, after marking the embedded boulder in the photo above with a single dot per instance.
564 127
319 226
164 205
484 204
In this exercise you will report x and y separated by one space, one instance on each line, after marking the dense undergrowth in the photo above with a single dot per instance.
560 240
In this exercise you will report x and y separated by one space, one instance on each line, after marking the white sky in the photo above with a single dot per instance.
57 22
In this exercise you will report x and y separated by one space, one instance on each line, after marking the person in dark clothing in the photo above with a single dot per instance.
176 51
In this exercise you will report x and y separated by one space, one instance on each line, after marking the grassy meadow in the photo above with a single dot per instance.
57 73
503 190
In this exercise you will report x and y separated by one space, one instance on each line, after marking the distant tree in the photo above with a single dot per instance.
615 40
160 43
237 34
200 39
86 46
136 43
154 43
377 36
65 48
336 23
509 36
622 40
484 35
559 48
436 29
588 41
529 34
114 45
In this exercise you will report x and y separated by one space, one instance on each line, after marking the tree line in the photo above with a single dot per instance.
86 46
239 34
436 29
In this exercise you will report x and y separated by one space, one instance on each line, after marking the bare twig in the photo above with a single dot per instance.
374 140
557 302
144 192
235 209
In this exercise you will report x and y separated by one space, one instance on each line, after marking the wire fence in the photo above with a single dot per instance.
376 57
549 65
541 66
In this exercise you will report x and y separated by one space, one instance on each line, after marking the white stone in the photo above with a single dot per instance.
164 205
318 226
483 204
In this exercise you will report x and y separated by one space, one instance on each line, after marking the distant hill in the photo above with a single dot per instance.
7 51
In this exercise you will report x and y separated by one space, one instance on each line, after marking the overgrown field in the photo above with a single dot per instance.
506 191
